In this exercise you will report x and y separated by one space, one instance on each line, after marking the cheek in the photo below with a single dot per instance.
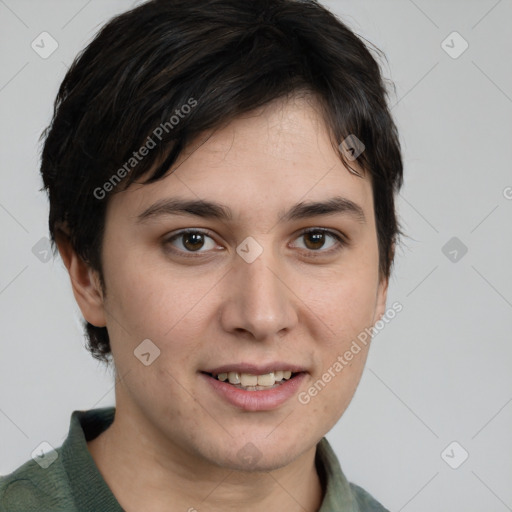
343 302
152 302
343 306
146 301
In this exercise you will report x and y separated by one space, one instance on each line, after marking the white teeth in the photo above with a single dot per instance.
250 380
247 379
267 379
234 377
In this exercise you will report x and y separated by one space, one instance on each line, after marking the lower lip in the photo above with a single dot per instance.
263 400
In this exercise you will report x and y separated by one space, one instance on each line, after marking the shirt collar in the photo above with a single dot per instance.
337 492
90 491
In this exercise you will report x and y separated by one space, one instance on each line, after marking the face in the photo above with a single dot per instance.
261 282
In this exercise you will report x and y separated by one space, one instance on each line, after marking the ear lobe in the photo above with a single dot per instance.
85 281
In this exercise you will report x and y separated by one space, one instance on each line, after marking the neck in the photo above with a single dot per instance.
146 472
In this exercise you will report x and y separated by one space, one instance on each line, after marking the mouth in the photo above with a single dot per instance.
253 381
255 388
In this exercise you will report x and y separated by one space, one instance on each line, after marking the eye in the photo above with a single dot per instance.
320 238
315 240
191 241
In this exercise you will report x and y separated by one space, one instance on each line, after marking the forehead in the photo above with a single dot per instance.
279 155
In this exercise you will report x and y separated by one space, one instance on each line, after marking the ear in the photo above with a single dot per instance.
382 290
380 304
84 280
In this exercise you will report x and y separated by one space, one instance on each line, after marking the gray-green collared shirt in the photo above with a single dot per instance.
72 482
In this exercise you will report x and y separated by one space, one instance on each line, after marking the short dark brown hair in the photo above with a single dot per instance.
220 58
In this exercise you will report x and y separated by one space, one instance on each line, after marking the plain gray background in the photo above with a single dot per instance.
438 373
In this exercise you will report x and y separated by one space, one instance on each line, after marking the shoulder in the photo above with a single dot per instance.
365 501
340 493
62 479
30 487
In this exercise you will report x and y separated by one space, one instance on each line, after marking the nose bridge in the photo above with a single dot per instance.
259 300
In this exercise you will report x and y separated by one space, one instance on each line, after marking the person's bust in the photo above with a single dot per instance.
221 177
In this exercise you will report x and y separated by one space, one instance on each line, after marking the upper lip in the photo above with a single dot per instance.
255 369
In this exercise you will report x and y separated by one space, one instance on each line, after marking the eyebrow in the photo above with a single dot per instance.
212 210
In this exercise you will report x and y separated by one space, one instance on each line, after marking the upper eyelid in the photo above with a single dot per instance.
323 230
186 231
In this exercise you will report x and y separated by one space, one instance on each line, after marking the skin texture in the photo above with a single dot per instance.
173 439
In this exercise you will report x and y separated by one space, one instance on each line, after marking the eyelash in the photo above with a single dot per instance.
340 239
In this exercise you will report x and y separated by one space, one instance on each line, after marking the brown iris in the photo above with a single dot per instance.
317 239
193 241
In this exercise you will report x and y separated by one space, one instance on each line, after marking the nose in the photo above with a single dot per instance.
259 299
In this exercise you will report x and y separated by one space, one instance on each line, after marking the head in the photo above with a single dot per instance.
225 119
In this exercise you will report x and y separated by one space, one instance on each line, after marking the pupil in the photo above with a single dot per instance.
317 239
193 241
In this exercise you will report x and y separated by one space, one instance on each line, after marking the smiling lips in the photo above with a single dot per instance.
255 398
